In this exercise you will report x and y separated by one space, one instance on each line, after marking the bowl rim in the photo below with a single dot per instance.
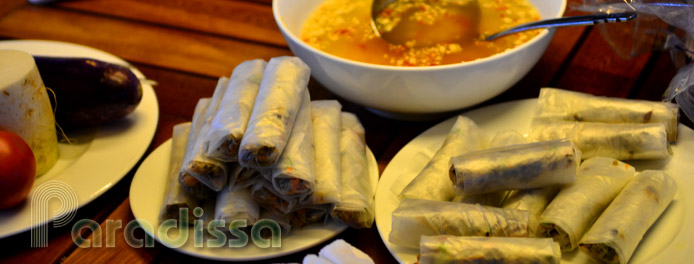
283 28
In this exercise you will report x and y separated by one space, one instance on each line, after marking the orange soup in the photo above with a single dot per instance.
342 28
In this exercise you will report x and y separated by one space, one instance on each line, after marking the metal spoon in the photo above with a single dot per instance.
567 22
378 6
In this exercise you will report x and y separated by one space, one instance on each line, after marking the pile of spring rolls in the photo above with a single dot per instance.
259 148
527 199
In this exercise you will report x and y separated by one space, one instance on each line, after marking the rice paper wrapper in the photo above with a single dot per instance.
308 214
627 219
460 249
281 219
569 215
489 199
243 177
432 182
325 117
236 204
524 166
231 118
212 173
532 200
278 101
414 218
575 106
356 208
501 139
294 172
186 179
507 138
177 197
618 141
267 197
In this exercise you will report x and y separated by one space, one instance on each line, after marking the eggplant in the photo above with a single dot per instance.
89 92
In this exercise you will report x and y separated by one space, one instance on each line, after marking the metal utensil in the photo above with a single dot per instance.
378 6
567 22
401 35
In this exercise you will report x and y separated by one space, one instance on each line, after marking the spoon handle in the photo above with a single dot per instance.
566 22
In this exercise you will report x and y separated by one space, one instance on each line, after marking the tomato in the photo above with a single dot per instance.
17 169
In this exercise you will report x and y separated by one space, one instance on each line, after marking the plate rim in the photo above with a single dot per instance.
150 128
383 193
165 147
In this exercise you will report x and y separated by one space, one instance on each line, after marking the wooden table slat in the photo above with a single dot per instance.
153 45
241 20
596 69
185 45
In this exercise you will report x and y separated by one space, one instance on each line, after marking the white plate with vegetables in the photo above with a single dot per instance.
147 194
669 240
97 157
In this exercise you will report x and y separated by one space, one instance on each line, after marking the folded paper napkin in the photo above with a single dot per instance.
338 252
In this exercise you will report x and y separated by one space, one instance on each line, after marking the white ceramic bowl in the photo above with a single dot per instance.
413 90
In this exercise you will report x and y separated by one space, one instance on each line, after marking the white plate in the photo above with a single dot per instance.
147 197
93 166
670 240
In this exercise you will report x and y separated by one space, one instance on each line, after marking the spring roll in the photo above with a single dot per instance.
325 116
283 86
308 214
281 219
231 119
618 231
431 183
532 200
236 204
190 183
267 197
523 166
506 138
460 249
356 208
414 218
294 172
576 106
177 197
618 141
210 172
489 199
576 206
501 139
243 177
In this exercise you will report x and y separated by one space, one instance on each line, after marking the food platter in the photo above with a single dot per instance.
98 160
670 239
147 193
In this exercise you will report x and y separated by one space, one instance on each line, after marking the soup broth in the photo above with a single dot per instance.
342 28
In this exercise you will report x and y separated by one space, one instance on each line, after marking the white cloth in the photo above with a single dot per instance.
339 252
313 259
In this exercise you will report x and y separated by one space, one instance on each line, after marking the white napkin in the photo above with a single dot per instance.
313 259
340 252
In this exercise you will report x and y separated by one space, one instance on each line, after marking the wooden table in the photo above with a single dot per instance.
185 45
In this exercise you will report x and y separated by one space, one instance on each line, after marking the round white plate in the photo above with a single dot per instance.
101 158
147 194
670 239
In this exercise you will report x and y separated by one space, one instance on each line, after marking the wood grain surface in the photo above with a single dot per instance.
185 45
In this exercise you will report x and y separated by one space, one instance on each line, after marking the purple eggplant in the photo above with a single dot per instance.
89 92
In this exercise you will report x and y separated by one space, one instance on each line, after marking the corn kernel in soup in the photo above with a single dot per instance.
342 28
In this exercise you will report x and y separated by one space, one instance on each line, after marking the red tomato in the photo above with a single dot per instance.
17 169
